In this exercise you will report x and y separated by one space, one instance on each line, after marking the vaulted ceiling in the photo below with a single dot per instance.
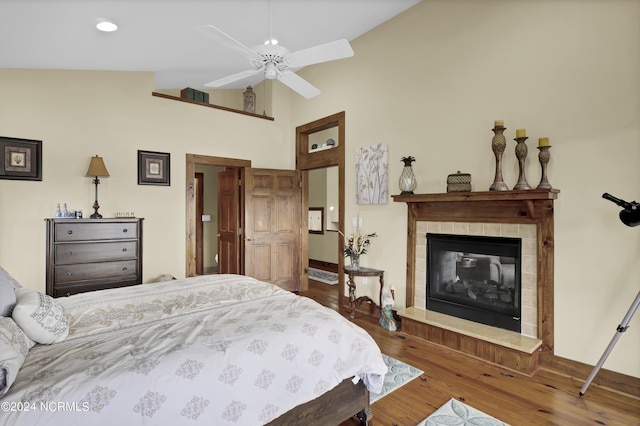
161 36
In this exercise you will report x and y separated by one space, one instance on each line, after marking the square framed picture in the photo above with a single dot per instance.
20 159
154 168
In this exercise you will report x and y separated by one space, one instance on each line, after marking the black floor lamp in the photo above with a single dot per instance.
96 170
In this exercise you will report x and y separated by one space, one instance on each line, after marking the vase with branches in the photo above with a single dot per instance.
355 245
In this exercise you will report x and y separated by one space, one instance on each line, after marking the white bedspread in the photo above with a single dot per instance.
214 350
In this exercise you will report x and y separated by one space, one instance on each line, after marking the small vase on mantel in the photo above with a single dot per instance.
355 261
407 181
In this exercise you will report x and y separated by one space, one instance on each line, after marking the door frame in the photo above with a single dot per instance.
305 161
190 219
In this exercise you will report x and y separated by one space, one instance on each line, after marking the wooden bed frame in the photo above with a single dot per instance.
332 408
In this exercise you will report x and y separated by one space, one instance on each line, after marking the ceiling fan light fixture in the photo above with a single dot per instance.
270 70
271 42
106 26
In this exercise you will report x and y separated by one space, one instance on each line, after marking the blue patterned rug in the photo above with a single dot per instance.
398 374
454 412
323 276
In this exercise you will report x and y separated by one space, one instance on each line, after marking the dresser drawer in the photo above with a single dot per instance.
79 231
63 290
96 271
95 252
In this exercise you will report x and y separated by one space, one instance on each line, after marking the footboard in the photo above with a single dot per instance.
332 408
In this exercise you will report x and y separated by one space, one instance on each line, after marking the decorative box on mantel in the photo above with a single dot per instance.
529 207
459 182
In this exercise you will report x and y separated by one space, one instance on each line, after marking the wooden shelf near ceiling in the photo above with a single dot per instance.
189 101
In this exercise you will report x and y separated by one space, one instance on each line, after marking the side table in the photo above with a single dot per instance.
362 272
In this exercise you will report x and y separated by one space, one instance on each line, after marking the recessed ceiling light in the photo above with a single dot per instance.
106 26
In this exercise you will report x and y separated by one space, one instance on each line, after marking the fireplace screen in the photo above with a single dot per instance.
475 278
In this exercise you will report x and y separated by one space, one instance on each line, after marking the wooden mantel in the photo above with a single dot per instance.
513 207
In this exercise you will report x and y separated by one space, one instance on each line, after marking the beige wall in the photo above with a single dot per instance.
431 82
81 114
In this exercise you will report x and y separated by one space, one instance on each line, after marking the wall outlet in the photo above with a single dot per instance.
364 280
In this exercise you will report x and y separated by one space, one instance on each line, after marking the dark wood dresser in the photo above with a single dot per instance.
92 254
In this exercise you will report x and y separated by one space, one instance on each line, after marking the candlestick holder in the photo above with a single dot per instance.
521 154
498 145
543 156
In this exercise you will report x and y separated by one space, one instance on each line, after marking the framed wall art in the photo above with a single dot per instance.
372 174
154 168
20 159
316 220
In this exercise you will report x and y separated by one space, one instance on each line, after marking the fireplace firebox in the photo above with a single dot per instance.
476 278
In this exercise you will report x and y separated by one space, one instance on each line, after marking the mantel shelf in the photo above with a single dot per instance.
532 194
190 101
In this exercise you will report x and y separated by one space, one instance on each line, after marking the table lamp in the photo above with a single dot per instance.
97 169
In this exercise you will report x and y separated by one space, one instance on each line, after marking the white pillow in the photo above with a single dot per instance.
5 276
40 317
7 293
14 346
7 298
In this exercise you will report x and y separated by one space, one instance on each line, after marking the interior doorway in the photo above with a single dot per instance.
321 144
193 217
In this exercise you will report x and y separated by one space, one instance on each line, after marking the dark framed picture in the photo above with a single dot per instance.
154 168
20 159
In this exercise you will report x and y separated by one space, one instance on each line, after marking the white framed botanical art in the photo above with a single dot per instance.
372 175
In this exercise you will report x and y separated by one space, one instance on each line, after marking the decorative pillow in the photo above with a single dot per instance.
7 298
6 277
7 293
40 317
14 346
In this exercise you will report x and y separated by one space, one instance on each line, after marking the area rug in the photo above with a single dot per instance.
454 412
398 374
323 276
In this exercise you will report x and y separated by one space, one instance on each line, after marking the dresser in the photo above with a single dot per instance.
92 254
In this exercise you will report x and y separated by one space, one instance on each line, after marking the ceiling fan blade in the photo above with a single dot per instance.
232 78
220 36
298 84
322 53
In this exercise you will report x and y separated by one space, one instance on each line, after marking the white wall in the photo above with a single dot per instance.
431 82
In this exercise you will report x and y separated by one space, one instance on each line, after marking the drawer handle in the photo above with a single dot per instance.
124 249
124 269
125 230
69 252
69 232
69 274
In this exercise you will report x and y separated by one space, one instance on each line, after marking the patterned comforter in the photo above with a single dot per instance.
215 350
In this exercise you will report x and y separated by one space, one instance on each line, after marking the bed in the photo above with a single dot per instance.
221 349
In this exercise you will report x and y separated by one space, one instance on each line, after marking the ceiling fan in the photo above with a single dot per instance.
276 61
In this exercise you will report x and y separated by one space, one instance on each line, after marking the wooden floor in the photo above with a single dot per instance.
547 398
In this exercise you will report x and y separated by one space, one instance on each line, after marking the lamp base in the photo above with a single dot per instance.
95 214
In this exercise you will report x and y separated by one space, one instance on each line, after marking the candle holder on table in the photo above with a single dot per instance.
543 156
498 144
521 154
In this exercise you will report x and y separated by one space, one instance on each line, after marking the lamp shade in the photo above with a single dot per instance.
97 167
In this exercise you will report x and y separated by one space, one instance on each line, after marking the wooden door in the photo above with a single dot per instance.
273 201
199 182
229 221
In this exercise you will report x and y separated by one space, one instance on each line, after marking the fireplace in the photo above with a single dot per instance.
476 278
527 215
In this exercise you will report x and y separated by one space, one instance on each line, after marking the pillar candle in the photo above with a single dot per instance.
498 123
521 133
543 142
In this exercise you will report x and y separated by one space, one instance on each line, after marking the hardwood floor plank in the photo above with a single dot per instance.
546 398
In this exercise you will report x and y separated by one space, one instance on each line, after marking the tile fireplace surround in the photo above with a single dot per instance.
523 214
